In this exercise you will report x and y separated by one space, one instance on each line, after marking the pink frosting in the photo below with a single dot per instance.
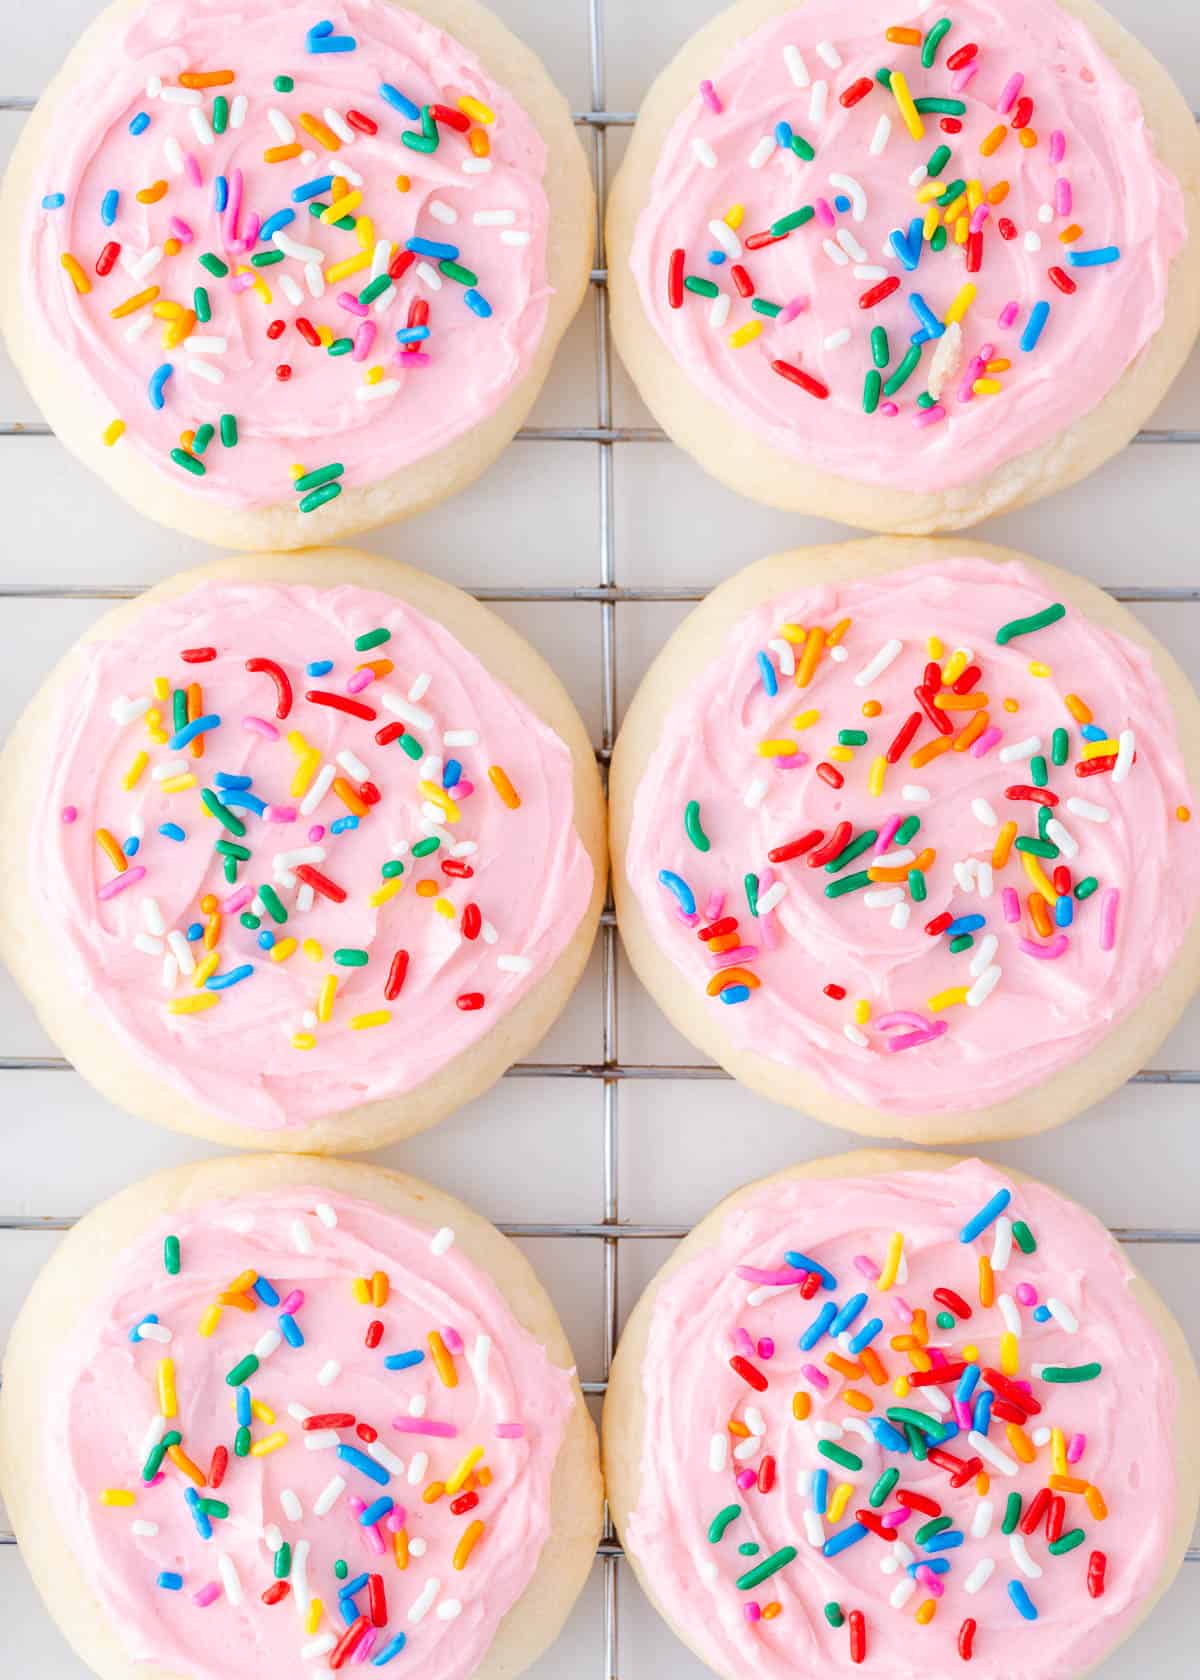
512 884
104 1416
690 1458
1093 167
492 210
1054 998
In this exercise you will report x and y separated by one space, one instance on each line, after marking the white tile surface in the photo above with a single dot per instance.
532 1151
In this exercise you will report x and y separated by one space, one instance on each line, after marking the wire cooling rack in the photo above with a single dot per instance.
611 1072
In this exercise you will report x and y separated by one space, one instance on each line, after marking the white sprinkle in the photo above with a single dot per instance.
704 153
476 166
339 125
173 152
522 965
838 654
900 915
1124 762
150 946
353 764
342 168
1062 1314
984 813
915 793
201 126
317 1647
442 1240
981 1521
206 370
145 265
314 279
774 895
237 110
1045 213
826 1430
182 952
422 1605
148 1529
768 1291
304 902
827 51
317 792
266 1344
937 1400
326 1215
980 1575
753 796
153 1333
293 248
1089 812
851 245
1009 1312
835 253
1020 749
763 152
879 139
1021 1557
198 345
877 666
494 218
902 1592
291 290
902 1554
417 1406
984 883
895 860
869 271
785 656
138 328
855 1035
442 212
124 710
292 1508
1002 1243
985 1448
814 1528
725 237
417 1547
1060 837
329 1373
719 313
964 874
1032 241
449 1609
796 67
888 1564
747 1448
817 100
983 956
706 1569
301 854
718 1451
1041 1437
835 341
180 95
404 709
227 1570
385 1456
917 178
882 898
281 125
329 1496
321 1440
417 1468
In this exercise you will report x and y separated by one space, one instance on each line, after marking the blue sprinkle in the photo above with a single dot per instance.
849 1536
223 779
292 1333
237 801
677 885
396 98
352 1587
805 1263
150 1318
273 224
198 726
319 668
1042 1315
842 203
925 315
888 1436
819 1327
310 189
266 1292
222 982
1093 732
411 335
1094 259
171 831
108 206
948 1431
982 1416
866 1335
939 1566
140 123
452 774
241 1396
328 43
376 1510
966 1384
158 380
734 994
922 337
340 824
964 924
949 1540
477 303
220 194
766 670
1018 1595
716 258
783 134
319 30
54 201
348 1608
392 1649
170 1580
402 1361
195 930
1038 317
266 939
908 247
820 1491
131 846
848 1314
1064 910
989 1212
432 248
359 1461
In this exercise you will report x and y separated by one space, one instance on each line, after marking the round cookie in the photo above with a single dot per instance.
795 317
375 1296
391 841
709 1364
335 374
837 849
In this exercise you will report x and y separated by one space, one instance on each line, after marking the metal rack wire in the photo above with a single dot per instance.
609 1231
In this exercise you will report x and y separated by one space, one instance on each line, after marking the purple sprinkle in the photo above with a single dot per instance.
864 1264
963 77
364 338
397 1517
990 738
69 813
130 878
242 282
260 726
929 1580
901 1018
711 98
792 761
193 171
411 358
742 1342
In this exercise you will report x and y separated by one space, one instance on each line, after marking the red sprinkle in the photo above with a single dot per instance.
453 119
283 686
837 842
797 376
793 849
366 1432
374 1333
939 924
377 1600
329 1420
400 264
1007 1413
1062 880
1008 228
418 313
1038 1506
748 1373
465 1502
940 1374
876 1524
320 883
108 257
348 1641
961 1470
1063 280
974 252
876 294
1095 766
396 973
904 736
965 683
1023 112
1097 1569
220 1463
276 1591
963 55
1001 1385
856 92
364 124
858 1627
741 280
951 125
369 793
766 1474
834 991
950 1298
675 279
283 372
1055 1517
198 656
341 703
456 868
389 733
275 330
308 332
468 1001
1036 795
918 1502
727 924
830 775
937 717
966 1639
757 241
472 921
812 1282
932 680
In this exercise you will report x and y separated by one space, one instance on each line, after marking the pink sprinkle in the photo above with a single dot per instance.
1058 146
714 906
793 307
184 234
929 416
280 813
366 1644
241 282
1062 196
192 168
236 900
913 1040
864 1264
316 832
980 216
792 761
1053 948
901 1018
260 726
937 1356
825 212
711 98
751 1612
815 1376
452 1339
155 1480
986 352
1076 1447
903 1310
233 205
930 1581
359 681
746 1479
395 1519
689 918
206 1595
509 1431
1008 96
130 878
962 1414
772 1279
424 1426
766 1348
69 813
887 834
768 926
889 408
962 77
966 391
249 237
1011 904
1008 314
370 1534
990 738
364 338
1026 1294
896 1518
412 358
462 791
293 1302
1109 899
350 302
742 1341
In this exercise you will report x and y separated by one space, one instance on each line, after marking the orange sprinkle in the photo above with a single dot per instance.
987 1282
138 301
1095 1502
172 247
739 1429
1183 813
947 701
79 279
433 1493
930 751
992 142
381 667
814 643
230 1298
151 195
1002 850
322 135
983 1483
1039 912
1070 234
873 1366
904 37
112 851
845 1367
1027 138
970 732
426 889
861 1402
183 1463
801 1405
1020 1443
471 1538
724 942
504 787
732 977
479 142
770 1611
1068 1484
1079 709
282 154
871 708
380 1288
195 709
205 78
442 1360
179 329
998 193
927 1612
400 1547
243 1281
349 797
212 930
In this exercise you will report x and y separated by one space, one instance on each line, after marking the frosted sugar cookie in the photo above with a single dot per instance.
891 824
311 861
895 1412
281 273
907 266
301 1416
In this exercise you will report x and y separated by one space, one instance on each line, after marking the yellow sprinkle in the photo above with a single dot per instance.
312 1616
325 997
179 329
112 851
375 1018
117 1496
79 279
735 216
282 949
167 1404
303 1041
842 755
341 207
777 749
974 195
269 1444
875 779
467 1544
260 287
351 265
205 969
322 135
954 210
389 889
1023 1448
805 720
373 375
162 688
934 647
962 229
1058 1452
970 1354
1037 669
441 799
794 633
744 335
463 1469
114 430
987 387
930 190
963 302
955 666
862 1011
1010 1354
210 1319
901 1387
442 1360
178 784
895 1248
908 111
931 223
364 232
362 1291
836 1508
1039 877
943 1000
312 950
476 110
1099 749
140 761
928 1610
260 1410
444 907
504 787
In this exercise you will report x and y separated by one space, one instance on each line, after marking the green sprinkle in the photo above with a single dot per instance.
223 814
412 746
1071 1373
179 707
904 371
391 869
1060 746
456 271
249 920
751 885
153 1462
214 1507
839 1455
348 956
749 1548
796 219
942 107
945 1320
961 942
932 41
761 306
419 142
230 868
924 1421
884 77
340 346
917 1444
692 828
202 305
229 431
1039 848
371 639
722 1520
214 265
848 884
802 148
242 1371
266 259
375 288
318 498
283 84
424 847
1066 1542
852 737
230 848
1025 1239
341 1569
1012 1514
833 1613
241 1443
916 885
935 1526
1039 774
275 909
1036 621
938 159
880 349
283 1562
878 1494
220 114
1045 814
188 462
938 242
950 193
313 481
702 288
872 386
861 842
1086 887
204 436
926 400
171 1255
317 209
907 829
768 1566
